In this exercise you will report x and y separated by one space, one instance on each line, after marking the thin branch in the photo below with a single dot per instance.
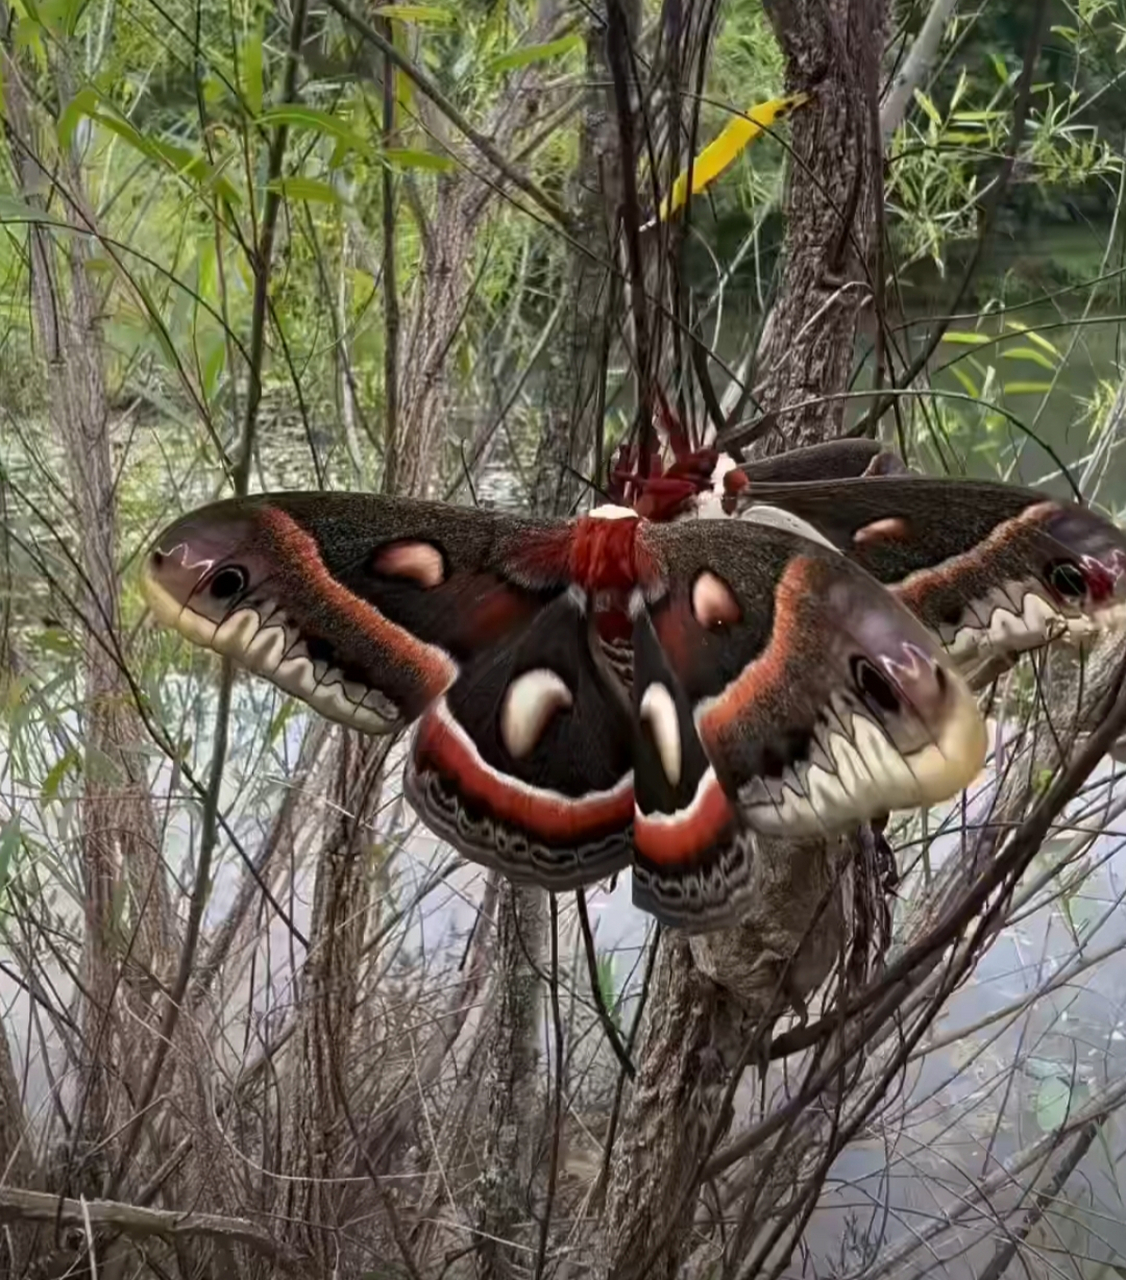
264 254
620 1051
915 67
390 282
131 1220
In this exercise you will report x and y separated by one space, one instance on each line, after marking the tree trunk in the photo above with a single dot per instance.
321 1139
833 193
714 995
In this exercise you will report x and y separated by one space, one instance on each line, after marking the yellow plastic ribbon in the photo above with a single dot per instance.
722 152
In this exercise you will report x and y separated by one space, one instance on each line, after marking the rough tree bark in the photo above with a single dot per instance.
576 379
832 192
711 996
321 1137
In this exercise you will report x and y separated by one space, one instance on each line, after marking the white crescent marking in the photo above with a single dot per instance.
659 711
529 703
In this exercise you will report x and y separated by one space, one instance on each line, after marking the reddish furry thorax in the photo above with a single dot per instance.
599 556
609 556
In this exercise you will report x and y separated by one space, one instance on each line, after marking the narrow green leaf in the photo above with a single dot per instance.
297 116
188 163
184 162
608 987
1028 353
84 103
74 9
928 106
1026 388
536 53
400 158
13 210
213 364
10 839
67 763
966 338
311 189
252 68
968 384
1037 339
285 714
415 13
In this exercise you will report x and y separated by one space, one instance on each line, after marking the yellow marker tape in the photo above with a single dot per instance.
720 153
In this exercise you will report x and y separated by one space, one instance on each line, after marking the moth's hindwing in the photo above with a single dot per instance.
377 611
525 764
692 850
818 699
989 568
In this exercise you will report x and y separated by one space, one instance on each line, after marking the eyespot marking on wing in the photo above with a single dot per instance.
713 602
529 704
658 711
891 529
419 562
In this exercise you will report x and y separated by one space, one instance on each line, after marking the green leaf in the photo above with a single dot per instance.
13 210
1037 339
968 384
536 53
10 839
1053 1100
84 103
415 13
186 162
310 189
68 763
213 365
928 106
608 987
1026 388
180 159
296 116
1029 353
252 68
286 712
966 338
400 158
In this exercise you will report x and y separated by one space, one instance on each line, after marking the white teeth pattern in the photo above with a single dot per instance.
871 775
1038 622
270 651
